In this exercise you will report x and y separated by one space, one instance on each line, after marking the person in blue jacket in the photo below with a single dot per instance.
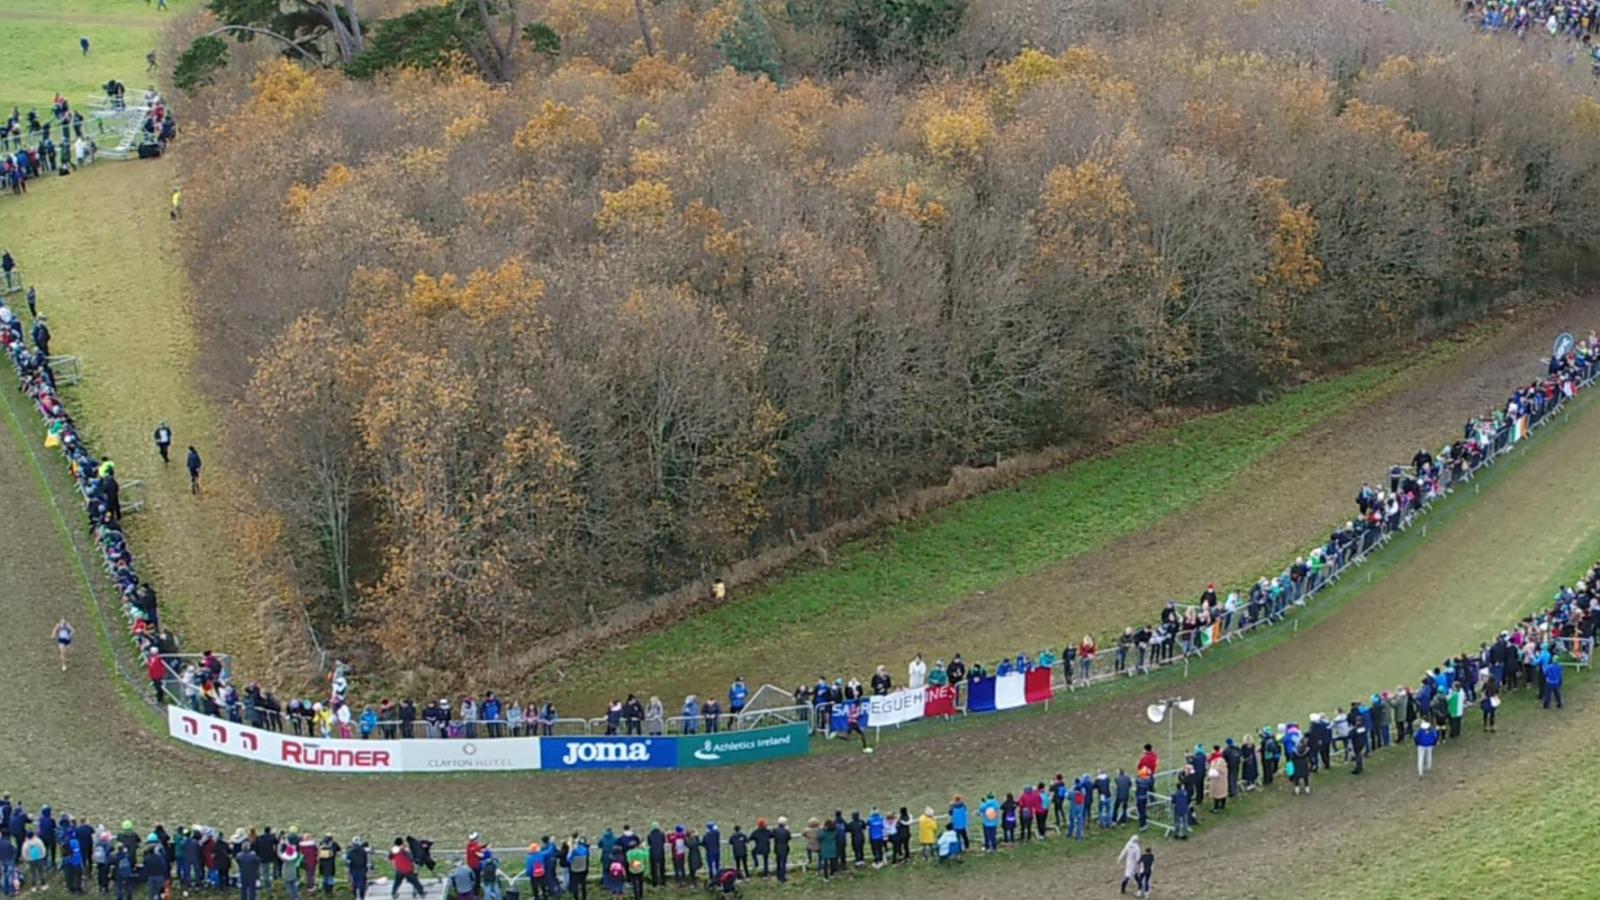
875 836
369 722
989 818
738 696
958 821
72 863
691 714
491 714
711 843
1427 737
1552 687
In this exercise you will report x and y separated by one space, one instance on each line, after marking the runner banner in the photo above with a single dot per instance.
897 708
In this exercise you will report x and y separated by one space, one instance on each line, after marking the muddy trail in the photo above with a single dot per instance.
75 742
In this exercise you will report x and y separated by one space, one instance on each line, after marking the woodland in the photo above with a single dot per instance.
528 312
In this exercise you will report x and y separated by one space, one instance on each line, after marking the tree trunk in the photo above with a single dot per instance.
644 28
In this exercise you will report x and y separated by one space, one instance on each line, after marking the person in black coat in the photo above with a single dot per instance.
761 846
780 849
194 470
249 872
739 845
657 842
357 863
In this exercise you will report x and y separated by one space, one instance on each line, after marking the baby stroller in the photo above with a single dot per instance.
726 883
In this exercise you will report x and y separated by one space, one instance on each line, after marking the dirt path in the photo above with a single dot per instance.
1485 561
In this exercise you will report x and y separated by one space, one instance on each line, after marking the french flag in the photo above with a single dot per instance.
1009 691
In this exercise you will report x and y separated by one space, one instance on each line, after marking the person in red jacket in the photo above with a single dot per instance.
156 669
474 852
1149 760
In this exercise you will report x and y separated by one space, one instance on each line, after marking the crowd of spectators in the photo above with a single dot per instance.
204 683
1528 659
31 146
1575 20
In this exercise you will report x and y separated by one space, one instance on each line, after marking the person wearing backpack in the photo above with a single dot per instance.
578 870
989 817
636 859
535 867
122 866
614 876
289 854
37 858
72 862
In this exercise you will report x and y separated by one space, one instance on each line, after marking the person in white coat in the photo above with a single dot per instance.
917 672
1129 857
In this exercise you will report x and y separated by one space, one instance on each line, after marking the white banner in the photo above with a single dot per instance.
507 754
896 708
354 756
1011 691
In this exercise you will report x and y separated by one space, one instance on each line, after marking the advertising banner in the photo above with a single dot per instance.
896 708
506 754
611 752
941 701
744 746
284 750
486 754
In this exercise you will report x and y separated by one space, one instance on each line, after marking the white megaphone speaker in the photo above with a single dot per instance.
1157 712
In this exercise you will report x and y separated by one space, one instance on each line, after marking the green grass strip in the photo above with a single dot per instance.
978 543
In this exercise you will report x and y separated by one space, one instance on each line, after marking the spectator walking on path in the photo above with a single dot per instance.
1129 857
163 438
194 471
1147 866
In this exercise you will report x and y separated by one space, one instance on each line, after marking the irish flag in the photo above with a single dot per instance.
1519 428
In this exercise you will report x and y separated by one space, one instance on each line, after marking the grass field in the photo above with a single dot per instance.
41 39
97 247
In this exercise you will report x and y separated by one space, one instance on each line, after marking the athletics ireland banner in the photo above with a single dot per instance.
756 745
